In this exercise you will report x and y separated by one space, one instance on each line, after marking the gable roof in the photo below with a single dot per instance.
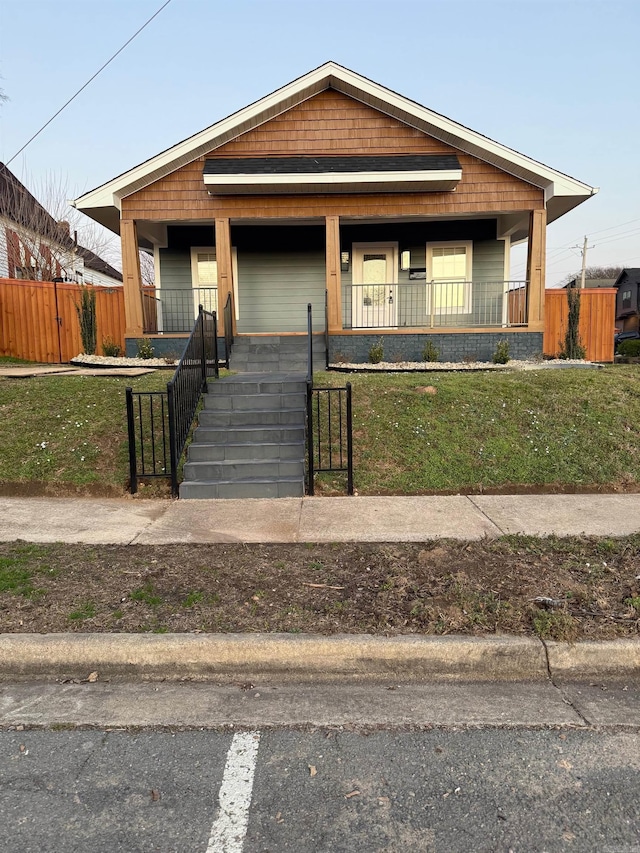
562 193
630 274
19 205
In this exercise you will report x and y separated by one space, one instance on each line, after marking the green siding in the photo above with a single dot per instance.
175 269
486 308
274 289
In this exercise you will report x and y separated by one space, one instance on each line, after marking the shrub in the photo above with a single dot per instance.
145 348
629 348
110 348
501 355
86 312
376 353
429 352
573 347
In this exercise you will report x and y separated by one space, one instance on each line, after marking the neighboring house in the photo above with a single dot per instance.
336 184
34 246
628 300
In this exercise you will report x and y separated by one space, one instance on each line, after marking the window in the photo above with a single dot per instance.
204 278
626 299
449 278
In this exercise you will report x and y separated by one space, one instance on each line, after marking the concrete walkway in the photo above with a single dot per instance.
341 519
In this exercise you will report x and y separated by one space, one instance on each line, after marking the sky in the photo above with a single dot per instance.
554 79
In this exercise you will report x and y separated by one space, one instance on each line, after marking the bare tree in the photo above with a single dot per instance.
594 272
147 269
42 240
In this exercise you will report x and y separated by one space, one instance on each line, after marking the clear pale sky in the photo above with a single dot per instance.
557 80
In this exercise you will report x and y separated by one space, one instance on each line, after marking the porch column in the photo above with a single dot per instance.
334 293
225 269
131 279
536 261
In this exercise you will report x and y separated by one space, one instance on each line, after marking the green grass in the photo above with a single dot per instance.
9 360
492 430
67 430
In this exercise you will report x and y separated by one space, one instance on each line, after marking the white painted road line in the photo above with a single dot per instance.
232 817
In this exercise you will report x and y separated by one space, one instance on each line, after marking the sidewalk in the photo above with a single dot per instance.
342 519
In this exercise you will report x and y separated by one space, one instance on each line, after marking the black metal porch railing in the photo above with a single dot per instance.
228 328
435 304
174 309
329 425
159 422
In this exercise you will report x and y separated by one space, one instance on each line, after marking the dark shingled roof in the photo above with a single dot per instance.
324 165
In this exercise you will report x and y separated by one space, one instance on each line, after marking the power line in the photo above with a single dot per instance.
90 80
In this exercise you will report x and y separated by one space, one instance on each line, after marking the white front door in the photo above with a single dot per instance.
374 300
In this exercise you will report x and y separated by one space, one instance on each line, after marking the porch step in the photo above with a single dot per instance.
272 354
249 442
292 487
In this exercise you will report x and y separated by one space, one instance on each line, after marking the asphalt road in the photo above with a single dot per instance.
450 790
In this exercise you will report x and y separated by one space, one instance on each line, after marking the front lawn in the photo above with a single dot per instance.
551 430
65 434
439 432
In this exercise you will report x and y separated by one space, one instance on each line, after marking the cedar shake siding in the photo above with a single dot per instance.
332 124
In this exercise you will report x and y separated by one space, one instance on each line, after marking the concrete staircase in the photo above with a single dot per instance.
275 354
250 439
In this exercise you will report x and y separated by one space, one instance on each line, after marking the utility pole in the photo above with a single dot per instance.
583 249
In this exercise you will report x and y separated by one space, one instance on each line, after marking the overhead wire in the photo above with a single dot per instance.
90 80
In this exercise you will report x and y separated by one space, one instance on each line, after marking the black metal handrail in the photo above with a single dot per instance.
228 328
161 434
329 425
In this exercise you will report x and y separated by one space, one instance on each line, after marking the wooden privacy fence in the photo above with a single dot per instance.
39 322
597 321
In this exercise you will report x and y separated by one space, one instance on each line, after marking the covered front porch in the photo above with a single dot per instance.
402 280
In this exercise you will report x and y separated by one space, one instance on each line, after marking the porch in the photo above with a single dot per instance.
391 278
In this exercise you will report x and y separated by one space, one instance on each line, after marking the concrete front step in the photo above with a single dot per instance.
254 450
249 434
243 469
284 487
254 402
244 417
268 354
260 383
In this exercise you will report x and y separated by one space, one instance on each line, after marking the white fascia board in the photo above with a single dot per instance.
423 179
348 82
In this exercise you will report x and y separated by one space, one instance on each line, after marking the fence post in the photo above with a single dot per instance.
326 330
171 411
349 442
310 484
203 350
133 468
216 369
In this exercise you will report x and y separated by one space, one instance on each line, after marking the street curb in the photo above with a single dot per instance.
229 658
308 658
606 660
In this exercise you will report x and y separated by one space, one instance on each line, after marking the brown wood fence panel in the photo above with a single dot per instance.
597 321
38 319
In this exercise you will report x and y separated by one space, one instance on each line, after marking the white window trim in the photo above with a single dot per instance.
211 250
468 291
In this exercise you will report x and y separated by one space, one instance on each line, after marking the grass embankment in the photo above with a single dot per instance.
557 429
590 588
60 434
552 430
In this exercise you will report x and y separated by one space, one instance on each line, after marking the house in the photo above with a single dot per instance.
35 246
628 300
335 185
